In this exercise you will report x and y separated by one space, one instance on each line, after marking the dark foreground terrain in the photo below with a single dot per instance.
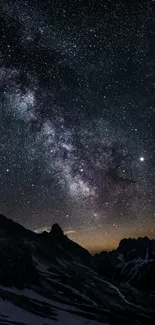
48 279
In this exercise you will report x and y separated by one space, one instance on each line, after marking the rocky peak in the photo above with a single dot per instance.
57 232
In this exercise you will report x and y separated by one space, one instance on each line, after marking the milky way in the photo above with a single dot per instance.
77 118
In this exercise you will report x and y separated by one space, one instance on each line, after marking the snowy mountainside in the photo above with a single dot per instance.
48 279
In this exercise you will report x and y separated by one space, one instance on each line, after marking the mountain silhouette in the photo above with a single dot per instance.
48 274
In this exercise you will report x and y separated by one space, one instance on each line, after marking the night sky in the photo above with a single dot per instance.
77 117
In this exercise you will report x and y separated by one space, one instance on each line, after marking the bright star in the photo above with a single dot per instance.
141 158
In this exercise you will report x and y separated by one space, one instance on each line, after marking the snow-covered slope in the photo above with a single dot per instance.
37 310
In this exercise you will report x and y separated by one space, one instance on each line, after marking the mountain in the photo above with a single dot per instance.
132 262
48 279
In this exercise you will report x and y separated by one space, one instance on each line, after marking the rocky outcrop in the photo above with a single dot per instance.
56 232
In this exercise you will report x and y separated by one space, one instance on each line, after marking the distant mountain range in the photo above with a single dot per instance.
49 279
132 262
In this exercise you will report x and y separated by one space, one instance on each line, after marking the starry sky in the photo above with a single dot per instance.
77 117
